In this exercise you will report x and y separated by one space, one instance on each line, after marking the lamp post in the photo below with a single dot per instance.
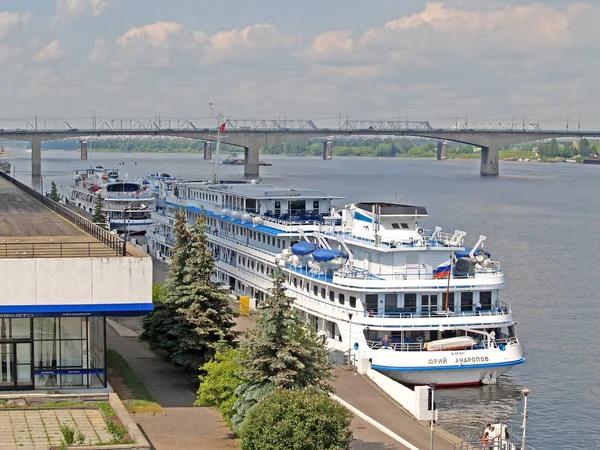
524 440
350 339
432 385
141 207
42 184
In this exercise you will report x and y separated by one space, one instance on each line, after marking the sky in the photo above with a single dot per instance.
437 60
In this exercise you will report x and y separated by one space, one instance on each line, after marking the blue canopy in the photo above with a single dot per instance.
324 254
303 248
465 253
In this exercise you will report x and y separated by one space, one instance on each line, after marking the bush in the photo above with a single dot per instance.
219 384
297 420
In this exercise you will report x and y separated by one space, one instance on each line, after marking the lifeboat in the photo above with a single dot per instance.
455 343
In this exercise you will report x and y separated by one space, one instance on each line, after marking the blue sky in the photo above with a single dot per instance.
319 59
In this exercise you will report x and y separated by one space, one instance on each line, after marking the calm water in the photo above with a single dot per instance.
541 222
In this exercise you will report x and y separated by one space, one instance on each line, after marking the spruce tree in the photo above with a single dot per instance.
99 217
204 314
282 353
158 325
54 195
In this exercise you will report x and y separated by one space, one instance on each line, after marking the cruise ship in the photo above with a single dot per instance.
128 205
420 305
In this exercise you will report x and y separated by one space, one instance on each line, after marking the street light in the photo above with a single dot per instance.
131 207
42 184
524 440
432 385
350 339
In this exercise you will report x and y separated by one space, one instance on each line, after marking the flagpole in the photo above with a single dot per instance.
449 276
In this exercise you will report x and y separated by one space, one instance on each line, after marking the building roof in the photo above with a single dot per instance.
28 229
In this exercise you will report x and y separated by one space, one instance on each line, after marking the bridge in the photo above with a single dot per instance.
252 135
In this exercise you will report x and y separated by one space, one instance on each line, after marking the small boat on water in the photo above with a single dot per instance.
234 161
5 167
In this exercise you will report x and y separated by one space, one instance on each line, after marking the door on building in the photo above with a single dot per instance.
15 366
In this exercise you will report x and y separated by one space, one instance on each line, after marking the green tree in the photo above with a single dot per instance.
297 420
282 353
204 314
585 148
54 195
159 323
222 378
99 217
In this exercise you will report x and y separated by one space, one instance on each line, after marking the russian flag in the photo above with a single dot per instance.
444 270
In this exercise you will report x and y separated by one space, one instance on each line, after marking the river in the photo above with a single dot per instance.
541 221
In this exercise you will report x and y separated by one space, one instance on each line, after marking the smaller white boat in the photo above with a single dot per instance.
455 343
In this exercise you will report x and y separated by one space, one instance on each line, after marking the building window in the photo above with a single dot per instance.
352 302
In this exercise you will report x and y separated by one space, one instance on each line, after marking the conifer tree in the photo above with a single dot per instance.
159 323
99 217
282 353
204 315
54 196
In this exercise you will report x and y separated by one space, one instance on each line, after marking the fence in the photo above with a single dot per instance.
117 245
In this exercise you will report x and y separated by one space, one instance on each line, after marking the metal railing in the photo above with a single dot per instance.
118 246
55 250
502 310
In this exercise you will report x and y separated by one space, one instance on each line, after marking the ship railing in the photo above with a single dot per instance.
413 274
131 196
398 314
417 345
55 250
498 444
116 244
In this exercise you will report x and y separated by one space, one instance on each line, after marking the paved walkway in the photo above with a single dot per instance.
183 426
37 429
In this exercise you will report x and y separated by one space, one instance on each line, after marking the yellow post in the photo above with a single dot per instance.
244 306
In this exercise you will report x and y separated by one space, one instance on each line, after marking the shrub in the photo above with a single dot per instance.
218 386
297 420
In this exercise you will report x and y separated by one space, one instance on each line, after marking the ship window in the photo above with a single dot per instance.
485 298
264 239
252 264
410 302
404 225
315 290
391 302
429 302
341 298
449 301
295 282
395 226
371 300
466 301
316 205
323 292
332 296
352 302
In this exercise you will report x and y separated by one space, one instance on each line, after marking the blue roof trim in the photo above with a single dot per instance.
453 367
240 222
106 309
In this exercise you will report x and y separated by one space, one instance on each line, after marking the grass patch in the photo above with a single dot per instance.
142 407
143 401
4 404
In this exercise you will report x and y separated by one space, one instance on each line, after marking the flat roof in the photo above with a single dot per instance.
263 191
21 216
28 229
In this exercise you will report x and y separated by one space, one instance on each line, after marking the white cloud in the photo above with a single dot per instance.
245 43
67 10
153 45
100 52
10 22
50 52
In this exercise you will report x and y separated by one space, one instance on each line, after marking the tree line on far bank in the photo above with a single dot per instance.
271 384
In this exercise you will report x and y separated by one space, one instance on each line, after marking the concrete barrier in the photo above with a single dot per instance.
414 401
